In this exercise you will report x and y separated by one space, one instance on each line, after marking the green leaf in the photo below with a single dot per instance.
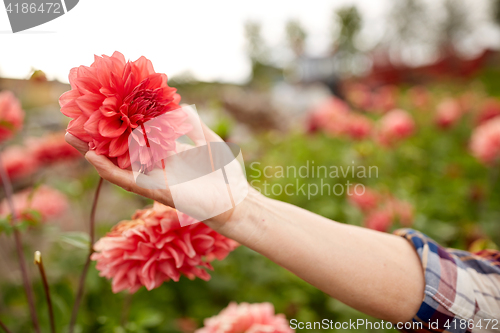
5 226
77 239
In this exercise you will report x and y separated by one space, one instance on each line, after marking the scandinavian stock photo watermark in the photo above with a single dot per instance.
334 180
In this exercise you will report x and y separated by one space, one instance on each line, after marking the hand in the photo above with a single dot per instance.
197 199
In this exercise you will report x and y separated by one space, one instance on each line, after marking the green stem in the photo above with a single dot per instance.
17 238
39 263
81 285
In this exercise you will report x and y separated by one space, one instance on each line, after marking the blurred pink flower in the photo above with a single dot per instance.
247 318
153 248
384 99
51 148
112 97
49 202
330 116
381 210
395 126
365 201
419 96
379 220
448 113
335 118
489 110
18 162
11 115
358 127
485 141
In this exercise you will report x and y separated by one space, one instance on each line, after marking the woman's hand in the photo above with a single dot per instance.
154 185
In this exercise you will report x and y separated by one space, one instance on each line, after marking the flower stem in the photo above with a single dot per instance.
79 294
39 263
17 238
2 325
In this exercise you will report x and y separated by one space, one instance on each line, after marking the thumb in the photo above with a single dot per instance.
109 171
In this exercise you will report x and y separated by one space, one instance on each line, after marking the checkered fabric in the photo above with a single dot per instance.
462 289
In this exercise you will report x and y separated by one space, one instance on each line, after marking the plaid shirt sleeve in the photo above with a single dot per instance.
462 289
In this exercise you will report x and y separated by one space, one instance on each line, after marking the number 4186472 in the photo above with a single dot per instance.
25 8
470 324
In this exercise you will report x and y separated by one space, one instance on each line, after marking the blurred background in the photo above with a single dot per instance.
409 86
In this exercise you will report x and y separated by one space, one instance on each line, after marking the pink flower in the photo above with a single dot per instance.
51 148
49 202
112 97
247 318
18 162
358 127
485 141
379 220
395 126
11 115
365 200
448 113
489 110
335 119
330 116
153 248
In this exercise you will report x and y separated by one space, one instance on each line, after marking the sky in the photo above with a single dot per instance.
203 37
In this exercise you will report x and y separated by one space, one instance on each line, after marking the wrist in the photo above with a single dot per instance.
242 219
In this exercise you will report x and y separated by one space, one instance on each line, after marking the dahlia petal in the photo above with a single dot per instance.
89 103
87 85
202 243
177 255
168 268
112 127
68 96
76 128
118 59
143 67
91 124
73 74
123 161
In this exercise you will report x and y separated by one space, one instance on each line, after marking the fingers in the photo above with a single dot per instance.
107 170
124 178
78 144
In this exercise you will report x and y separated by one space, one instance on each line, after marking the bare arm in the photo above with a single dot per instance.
376 273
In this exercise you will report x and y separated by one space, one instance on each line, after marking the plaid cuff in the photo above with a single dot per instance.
462 290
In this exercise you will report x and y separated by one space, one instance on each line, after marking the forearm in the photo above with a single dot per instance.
377 273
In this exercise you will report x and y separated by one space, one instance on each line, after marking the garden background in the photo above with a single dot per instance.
336 110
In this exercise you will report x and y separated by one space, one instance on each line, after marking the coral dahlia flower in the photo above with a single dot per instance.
51 148
153 248
49 202
365 201
246 318
395 126
330 116
112 97
448 113
18 162
358 127
11 115
379 220
485 141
